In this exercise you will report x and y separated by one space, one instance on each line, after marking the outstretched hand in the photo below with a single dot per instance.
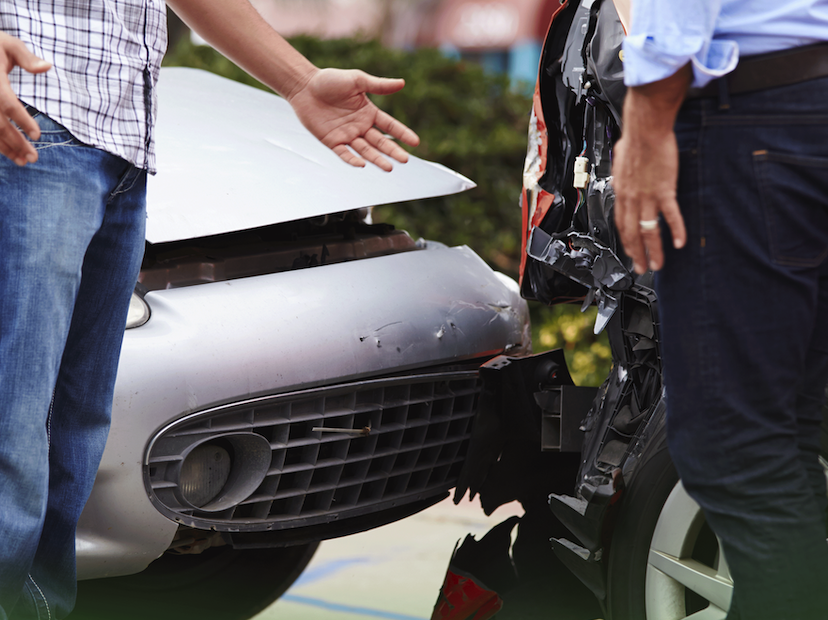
334 106
13 144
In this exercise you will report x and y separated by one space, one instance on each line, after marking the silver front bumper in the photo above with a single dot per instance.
225 342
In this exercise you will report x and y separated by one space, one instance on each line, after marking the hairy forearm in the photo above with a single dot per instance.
235 28
331 103
650 110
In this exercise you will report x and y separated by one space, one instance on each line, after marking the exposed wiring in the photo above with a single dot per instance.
581 200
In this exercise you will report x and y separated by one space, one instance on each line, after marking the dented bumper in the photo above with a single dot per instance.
222 343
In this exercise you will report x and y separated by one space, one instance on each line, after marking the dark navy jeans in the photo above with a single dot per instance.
71 241
745 320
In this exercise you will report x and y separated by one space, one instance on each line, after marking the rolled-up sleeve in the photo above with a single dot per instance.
665 35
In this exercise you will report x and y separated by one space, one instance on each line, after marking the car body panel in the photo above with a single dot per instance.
223 342
571 252
278 171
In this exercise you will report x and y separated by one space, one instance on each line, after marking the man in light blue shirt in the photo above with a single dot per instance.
711 35
725 139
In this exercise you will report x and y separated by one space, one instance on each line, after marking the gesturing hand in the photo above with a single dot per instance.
13 144
334 106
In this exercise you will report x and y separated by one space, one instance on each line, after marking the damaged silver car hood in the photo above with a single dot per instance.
279 171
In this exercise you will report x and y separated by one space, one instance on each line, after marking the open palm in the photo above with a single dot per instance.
334 106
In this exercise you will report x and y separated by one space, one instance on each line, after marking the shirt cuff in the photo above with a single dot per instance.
645 61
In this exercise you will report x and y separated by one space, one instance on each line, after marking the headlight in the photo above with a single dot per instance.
139 310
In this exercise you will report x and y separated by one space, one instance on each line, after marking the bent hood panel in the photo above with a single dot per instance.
232 157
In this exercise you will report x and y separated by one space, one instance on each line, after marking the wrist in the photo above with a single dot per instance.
650 110
299 83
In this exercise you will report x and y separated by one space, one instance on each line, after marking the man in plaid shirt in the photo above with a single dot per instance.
78 79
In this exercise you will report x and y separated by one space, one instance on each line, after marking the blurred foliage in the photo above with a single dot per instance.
472 121
564 327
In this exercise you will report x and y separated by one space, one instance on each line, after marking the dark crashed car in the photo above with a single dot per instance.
626 527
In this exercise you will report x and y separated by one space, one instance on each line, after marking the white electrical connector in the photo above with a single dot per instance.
581 174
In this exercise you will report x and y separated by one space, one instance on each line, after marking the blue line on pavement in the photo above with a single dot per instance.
365 611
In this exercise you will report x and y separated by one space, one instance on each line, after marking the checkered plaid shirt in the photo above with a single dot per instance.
106 56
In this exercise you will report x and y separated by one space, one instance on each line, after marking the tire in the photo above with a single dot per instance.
220 584
663 556
664 560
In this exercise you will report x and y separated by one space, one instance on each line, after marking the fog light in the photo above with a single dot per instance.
204 473
221 472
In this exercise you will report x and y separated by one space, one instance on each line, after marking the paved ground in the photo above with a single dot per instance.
395 573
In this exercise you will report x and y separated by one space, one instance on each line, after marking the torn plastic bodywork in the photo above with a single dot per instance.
508 432
581 244
572 255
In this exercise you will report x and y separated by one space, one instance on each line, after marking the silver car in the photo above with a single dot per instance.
290 373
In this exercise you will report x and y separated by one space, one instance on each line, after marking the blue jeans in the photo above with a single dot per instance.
744 308
71 242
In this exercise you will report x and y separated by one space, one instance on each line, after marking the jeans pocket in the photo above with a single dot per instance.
793 190
48 125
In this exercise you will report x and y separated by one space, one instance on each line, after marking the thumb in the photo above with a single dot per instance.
378 85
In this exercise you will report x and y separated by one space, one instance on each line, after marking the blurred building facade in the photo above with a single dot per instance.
502 35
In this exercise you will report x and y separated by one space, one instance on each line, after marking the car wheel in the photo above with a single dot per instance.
220 584
664 561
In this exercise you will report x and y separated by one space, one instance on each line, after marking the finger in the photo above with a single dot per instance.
6 149
348 156
18 113
17 144
377 85
17 147
394 128
627 217
651 238
377 139
20 55
672 215
369 153
635 249
13 152
10 107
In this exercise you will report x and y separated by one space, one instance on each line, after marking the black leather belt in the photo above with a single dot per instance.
770 70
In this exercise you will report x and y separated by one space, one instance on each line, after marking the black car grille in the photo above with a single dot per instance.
419 431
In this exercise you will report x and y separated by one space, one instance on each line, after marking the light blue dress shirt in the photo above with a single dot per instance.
711 34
